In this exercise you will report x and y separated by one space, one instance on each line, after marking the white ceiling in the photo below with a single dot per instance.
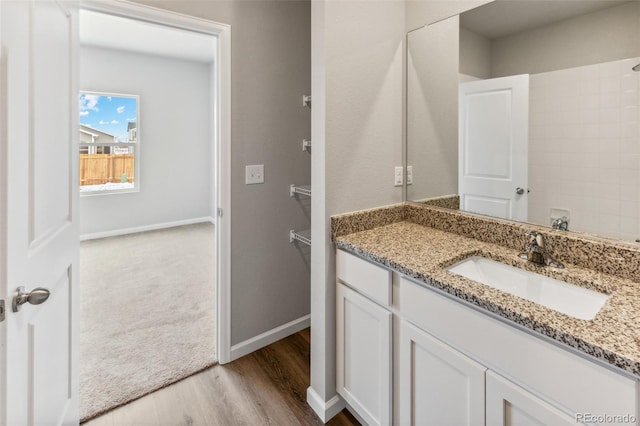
505 17
102 30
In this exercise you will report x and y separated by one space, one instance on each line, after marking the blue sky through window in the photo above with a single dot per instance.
109 113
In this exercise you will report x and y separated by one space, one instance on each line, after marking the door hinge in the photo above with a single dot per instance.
219 212
1 310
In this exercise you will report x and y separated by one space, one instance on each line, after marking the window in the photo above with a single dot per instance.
109 145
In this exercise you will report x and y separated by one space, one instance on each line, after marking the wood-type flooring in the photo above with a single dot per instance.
267 387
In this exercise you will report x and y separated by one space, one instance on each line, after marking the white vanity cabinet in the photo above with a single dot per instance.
364 338
546 383
510 405
438 385
455 364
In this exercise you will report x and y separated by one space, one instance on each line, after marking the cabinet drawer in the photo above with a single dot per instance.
565 378
369 279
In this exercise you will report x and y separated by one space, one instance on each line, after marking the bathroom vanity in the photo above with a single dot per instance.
418 344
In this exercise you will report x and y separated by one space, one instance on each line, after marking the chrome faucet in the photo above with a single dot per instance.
536 252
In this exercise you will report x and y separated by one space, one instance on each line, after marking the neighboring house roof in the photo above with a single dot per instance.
96 135
131 125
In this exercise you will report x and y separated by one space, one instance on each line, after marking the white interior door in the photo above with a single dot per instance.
39 202
493 145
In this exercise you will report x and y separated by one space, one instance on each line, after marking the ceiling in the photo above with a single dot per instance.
114 32
504 17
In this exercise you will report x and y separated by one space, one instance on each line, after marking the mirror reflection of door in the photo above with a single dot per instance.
493 143
583 121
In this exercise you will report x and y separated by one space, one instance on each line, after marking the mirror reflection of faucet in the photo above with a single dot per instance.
561 223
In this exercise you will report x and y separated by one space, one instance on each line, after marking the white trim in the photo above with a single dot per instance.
127 9
222 117
223 197
325 410
268 337
136 229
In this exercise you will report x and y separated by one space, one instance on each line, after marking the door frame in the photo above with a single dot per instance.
221 131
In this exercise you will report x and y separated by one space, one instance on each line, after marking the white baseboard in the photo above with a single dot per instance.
137 229
325 410
268 337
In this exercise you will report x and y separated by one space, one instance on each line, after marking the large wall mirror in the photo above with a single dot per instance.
530 111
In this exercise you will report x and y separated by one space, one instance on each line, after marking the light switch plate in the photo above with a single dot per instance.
254 174
409 175
397 181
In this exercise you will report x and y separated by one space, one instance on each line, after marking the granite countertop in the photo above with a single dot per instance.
423 253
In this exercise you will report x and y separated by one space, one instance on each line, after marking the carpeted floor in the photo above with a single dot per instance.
147 313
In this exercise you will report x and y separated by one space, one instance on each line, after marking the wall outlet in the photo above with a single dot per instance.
254 174
409 175
398 176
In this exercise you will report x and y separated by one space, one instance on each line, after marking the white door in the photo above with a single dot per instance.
39 194
510 405
363 352
493 143
438 385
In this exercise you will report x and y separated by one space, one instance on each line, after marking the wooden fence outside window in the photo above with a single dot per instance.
96 169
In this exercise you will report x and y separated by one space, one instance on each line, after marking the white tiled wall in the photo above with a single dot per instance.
584 147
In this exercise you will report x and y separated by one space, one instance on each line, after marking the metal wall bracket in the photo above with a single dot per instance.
302 236
306 101
302 190
1 310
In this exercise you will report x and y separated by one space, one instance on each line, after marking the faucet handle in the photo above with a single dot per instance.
536 237
532 235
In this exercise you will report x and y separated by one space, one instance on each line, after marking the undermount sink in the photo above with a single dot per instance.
569 299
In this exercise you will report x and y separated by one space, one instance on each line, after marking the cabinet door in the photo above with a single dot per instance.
363 350
510 405
439 386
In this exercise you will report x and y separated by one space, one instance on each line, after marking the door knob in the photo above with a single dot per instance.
37 296
520 191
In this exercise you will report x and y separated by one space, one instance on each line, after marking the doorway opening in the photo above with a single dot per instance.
149 258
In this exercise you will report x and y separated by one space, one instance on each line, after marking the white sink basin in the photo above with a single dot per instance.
569 299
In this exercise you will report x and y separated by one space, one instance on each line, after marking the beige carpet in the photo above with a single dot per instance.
147 313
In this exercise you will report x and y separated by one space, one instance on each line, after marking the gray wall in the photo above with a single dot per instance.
357 84
597 37
422 12
602 36
475 54
271 68
175 167
432 110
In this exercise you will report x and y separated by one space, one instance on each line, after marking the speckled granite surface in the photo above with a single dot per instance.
366 219
617 258
447 202
423 252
